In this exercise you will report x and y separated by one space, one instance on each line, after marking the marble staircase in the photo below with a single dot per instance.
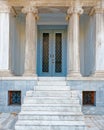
51 106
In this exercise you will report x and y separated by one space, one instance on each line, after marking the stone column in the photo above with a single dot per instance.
5 40
98 20
31 37
73 53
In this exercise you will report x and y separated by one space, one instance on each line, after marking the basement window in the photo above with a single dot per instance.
89 97
14 97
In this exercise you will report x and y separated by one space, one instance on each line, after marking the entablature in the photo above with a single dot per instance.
49 6
48 3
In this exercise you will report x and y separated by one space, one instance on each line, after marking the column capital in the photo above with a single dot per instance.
96 10
30 9
5 9
74 10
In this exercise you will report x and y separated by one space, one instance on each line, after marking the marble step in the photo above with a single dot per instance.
41 108
52 83
51 78
49 123
58 87
51 105
51 98
80 127
50 113
51 93
51 118
52 125
49 101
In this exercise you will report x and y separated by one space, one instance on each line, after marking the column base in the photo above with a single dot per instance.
5 73
98 74
74 74
29 74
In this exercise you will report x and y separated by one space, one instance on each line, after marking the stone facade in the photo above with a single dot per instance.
20 22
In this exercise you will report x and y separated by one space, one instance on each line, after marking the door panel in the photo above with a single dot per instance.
52 49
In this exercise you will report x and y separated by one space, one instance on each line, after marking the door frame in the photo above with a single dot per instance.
49 29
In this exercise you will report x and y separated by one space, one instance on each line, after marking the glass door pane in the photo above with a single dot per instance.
58 52
45 53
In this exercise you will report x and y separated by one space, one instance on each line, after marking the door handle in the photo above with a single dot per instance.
52 55
53 61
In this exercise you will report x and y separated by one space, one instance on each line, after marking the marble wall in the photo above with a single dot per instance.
89 85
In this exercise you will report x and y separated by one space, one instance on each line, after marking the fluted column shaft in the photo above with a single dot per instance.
31 37
98 20
73 41
5 11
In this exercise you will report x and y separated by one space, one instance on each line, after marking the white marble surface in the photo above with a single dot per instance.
4 41
40 110
7 121
93 121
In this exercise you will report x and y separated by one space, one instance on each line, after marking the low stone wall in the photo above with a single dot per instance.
89 85
14 85
24 85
